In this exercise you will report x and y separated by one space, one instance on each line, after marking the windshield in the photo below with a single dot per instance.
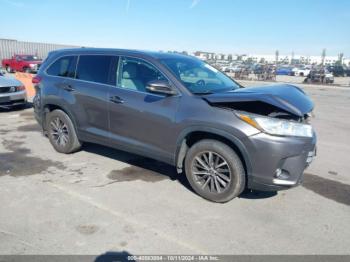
29 58
198 76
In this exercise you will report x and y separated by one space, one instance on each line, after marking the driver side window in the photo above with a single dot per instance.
134 74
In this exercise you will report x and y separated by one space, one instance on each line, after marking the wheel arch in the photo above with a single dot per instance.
192 135
49 107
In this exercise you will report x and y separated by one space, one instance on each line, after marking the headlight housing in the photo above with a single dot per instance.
275 126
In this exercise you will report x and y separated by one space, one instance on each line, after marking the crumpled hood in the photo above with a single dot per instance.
287 97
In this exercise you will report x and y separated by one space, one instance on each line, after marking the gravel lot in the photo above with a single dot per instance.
101 199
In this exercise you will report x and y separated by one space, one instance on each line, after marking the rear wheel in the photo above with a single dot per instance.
61 132
8 69
214 171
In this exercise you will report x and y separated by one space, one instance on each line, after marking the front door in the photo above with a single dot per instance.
139 119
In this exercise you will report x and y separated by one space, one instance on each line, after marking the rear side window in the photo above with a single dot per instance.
97 68
64 66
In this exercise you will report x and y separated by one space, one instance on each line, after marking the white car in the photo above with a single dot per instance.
233 68
301 71
12 92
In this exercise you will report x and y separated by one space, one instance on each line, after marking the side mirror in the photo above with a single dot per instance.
160 87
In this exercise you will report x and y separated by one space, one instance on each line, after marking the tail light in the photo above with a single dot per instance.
36 79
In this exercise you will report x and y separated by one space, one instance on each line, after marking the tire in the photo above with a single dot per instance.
61 132
8 69
26 70
234 179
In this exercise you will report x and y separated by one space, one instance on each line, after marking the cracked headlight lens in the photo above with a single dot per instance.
275 126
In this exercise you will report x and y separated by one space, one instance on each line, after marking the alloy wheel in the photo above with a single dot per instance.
59 132
211 172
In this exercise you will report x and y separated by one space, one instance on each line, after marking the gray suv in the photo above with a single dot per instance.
179 110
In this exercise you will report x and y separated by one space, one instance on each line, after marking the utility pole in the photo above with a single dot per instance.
340 58
277 53
323 55
292 59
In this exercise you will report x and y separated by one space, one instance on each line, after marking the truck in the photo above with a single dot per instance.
22 63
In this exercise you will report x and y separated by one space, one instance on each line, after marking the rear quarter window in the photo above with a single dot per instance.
64 67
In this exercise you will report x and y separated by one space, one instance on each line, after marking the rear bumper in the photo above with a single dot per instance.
278 163
13 99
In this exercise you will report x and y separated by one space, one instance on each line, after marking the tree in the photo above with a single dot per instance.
340 58
250 60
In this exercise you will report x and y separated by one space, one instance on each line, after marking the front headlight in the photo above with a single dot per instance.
275 126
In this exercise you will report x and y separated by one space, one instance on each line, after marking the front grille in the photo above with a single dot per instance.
5 89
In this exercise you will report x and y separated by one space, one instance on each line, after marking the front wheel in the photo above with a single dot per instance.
214 171
61 132
8 69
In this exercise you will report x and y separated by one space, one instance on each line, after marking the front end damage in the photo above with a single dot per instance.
286 145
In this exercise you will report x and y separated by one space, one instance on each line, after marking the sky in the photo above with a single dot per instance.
222 26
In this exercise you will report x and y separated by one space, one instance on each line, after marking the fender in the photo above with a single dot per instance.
181 146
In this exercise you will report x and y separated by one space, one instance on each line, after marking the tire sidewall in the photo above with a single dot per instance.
71 131
237 182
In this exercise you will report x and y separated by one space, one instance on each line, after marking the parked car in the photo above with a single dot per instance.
285 71
22 63
232 68
12 93
302 70
339 70
179 110
319 75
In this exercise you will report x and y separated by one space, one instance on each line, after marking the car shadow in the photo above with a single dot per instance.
256 194
6 109
115 256
142 168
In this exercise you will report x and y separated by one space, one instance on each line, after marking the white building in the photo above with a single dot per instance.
271 58
204 55
287 59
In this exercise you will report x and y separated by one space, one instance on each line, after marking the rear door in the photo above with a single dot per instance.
140 120
88 95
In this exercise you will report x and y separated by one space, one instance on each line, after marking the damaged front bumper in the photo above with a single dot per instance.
282 163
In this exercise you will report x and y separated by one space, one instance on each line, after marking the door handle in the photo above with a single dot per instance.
67 87
116 100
